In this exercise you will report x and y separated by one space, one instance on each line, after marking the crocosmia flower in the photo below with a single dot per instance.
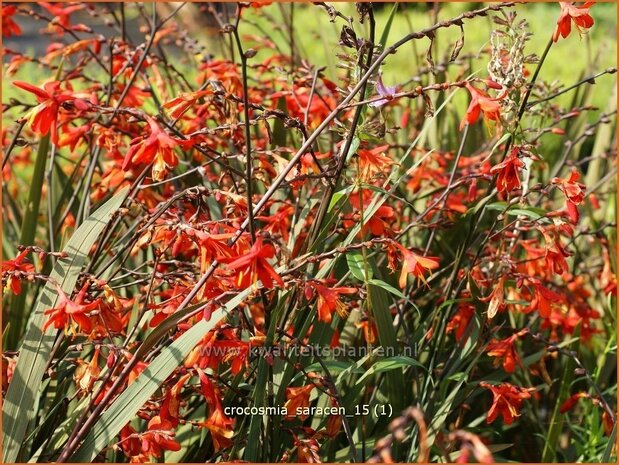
569 12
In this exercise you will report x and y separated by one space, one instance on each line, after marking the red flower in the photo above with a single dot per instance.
130 444
504 349
157 148
328 299
62 15
253 266
571 401
574 192
507 400
260 4
14 269
460 321
298 398
278 223
378 223
44 117
569 12
9 27
555 252
158 437
73 311
415 264
482 103
507 179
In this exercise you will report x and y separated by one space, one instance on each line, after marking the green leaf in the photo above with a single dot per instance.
35 351
385 35
389 364
334 366
388 287
339 196
532 212
356 266
353 148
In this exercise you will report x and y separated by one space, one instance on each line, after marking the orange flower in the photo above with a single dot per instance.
507 179
172 402
378 223
504 349
9 27
482 103
368 327
62 15
233 351
220 426
140 447
415 264
496 298
507 400
13 269
75 312
87 373
574 193
210 246
253 266
372 162
569 12
157 148
307 450
185 100
44 117
543 300
328 298
298 398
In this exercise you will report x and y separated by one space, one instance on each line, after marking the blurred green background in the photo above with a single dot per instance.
316 38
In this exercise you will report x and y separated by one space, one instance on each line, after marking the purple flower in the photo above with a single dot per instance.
386 92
